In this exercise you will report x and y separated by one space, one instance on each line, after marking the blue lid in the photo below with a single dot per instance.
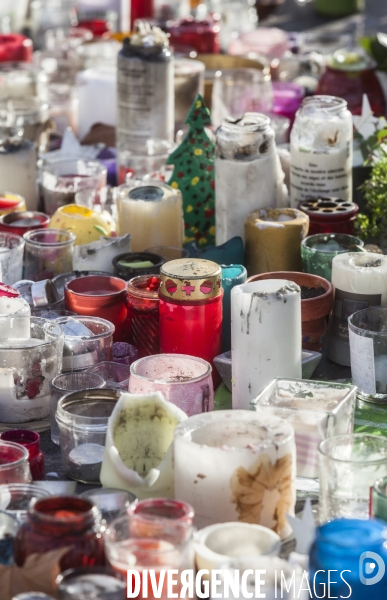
352 533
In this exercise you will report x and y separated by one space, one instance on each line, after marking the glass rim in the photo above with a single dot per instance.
82 422
29 234
90 511
71 575
260 75
141 293
309 238
187 509
352 436
359 330
377 487
330 103
77 374
19 461
39 321
110 328
13 236
128 518
51 165
257 122
194 359
85 293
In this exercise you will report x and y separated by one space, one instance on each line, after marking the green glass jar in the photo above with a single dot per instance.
379 499
318 251
339 8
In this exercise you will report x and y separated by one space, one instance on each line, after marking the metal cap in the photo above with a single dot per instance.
190 279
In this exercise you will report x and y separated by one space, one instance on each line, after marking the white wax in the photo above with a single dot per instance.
18 174
97 96
244 186
351 273
100 254
266 336
151 222
242 461
10 329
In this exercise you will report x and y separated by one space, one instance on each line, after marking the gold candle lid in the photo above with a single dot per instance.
190 279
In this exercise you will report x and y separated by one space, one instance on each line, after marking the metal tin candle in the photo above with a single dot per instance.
319 250
183 380
265 335
330 215
22 222
152 214
321 150
273 238
359 281
246 166
61 522
191 297
145 103
245 460
143 314
100 296
31 441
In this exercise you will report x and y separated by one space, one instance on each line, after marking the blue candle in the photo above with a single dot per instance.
349 553
231 275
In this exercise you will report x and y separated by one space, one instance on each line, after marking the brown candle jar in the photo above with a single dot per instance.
143 314
62 522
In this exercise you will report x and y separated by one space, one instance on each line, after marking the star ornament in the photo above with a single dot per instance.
304 529
367 125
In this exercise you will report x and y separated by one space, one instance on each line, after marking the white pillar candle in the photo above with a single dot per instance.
18 172
359 281
248 173
16 307
97 97
152 213
138 450
88 256
236 465
321 150
266 338
315 410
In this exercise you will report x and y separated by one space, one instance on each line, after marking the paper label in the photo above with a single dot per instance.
362 362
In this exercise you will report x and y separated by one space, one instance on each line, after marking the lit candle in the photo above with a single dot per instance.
152 214
246 460
266 336
273 239
359 281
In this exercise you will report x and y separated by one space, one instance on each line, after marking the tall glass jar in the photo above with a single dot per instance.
62 522
247 172
191 297
18 171
143 314
321 150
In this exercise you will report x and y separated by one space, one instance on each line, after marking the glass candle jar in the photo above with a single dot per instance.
11 257
20 223
82 419
61 522
62 179
247 167
163 508
18 170
100 296
70 382
8 528
330 215
31 441
87 583
321 150
87 341
191 298
200 34
143 314
348 467
14 465
20 80
10 203
349 546
183 380
16 498
378 508
189 81
142 158
116 375
319 250
32 115
14 47
49 252
30 357
112 503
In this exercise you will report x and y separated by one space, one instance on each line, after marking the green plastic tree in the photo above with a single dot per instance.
194 176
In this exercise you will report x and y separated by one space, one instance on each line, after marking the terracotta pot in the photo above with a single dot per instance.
314 311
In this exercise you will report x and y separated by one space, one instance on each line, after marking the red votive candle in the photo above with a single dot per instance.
330 215
21 222
141 9
15 48
191 298
165 508
31 441
201 35
143 314
100 296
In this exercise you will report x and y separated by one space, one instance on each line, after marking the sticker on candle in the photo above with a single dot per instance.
362 362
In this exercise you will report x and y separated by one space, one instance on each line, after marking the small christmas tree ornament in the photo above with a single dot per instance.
194 176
